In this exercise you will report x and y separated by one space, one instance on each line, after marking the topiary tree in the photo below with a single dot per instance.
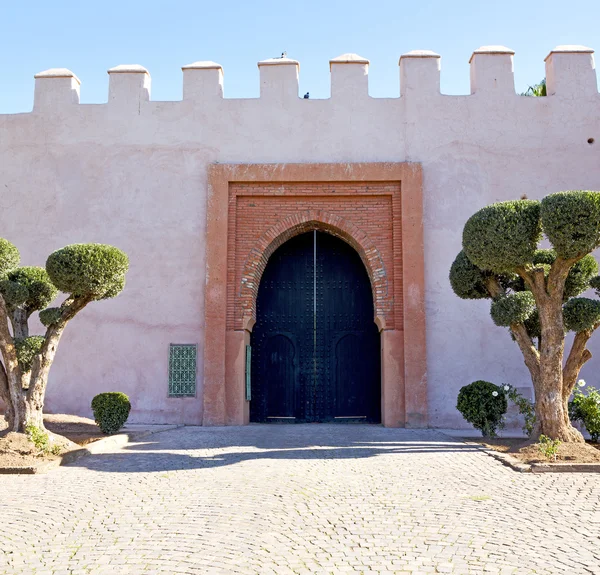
85 272
534 291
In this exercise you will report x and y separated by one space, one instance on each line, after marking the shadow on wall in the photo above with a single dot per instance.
207 448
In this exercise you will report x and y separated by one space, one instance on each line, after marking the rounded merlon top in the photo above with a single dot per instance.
57 73
492 50
420 54
128 69
277 62
349 58
202 65
570 49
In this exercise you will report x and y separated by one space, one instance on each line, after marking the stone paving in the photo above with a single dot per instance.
298 499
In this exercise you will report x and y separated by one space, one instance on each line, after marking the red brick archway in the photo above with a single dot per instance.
284 230
253 209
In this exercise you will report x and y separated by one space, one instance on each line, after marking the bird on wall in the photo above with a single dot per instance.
284 54
306 96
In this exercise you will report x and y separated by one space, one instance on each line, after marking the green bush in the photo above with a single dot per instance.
503 236
525 406
111 411
512 308
483 405
586 409
96 270
467 280
9 256
571 221
50 315
581 314
35 289
27 348
580 276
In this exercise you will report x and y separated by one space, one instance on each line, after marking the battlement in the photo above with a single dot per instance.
570 72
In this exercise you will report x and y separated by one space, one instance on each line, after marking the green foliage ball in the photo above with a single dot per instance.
111 411
9 256
586 408
503 236
580 276
35 282
481 408
533 325
595 284
50 316
512 308
571 220
466 279
96 270
544 256
581 314
27 348
14 293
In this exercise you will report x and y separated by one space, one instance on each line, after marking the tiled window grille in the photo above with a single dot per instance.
182 370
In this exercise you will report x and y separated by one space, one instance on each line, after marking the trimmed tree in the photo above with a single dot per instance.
85 272
534 291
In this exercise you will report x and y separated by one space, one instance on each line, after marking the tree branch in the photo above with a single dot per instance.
42 362
4 391
578 356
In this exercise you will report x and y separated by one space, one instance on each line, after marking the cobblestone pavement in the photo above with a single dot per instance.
298 499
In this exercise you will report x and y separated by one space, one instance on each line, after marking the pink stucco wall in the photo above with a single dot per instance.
133 173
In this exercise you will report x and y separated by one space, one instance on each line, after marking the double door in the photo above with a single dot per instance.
315 346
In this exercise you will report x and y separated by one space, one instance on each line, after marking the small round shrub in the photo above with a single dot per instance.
481 408
466 279
586 408
96 270
50 315
512 308
503 236
571 220
111 410
581 314
9 256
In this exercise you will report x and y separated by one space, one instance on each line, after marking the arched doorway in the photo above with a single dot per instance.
315 346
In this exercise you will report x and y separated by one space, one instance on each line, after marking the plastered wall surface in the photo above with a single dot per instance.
133 173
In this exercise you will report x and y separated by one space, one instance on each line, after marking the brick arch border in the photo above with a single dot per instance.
403 341
307 221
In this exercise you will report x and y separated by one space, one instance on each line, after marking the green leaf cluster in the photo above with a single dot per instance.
503 236
481 408
466 279
95 270
586 408
9 256
29 287
111 410
50 316
571 221
512 308
581 314
27 348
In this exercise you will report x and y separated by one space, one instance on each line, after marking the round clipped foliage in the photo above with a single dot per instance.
512 308
27 348
571 220
595 284
50 316
40 290
14 293
467 280
533 325
580 276
111 411
483 405
544 256
503 236
95 270
586 408
9 256
581 314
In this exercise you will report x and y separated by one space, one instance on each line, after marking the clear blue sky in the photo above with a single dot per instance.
90 36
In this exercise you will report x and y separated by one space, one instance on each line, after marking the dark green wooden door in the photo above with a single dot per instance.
315 347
